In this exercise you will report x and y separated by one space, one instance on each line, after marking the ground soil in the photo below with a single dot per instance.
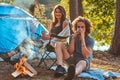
101 60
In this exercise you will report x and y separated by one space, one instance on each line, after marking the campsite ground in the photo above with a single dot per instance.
101 60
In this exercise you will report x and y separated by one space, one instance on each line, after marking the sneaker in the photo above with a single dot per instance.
71 72
5 57
60 71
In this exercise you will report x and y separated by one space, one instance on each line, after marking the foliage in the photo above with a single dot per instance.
47 2
44 1
49 7
46 7
39 14
65 4
102 14
7 1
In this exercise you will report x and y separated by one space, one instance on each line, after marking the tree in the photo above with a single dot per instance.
80 7
7 1
100 12
76 8
65 4
102 15
115 46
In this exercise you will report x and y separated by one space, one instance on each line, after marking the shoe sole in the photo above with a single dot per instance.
5 57
58 75
71 72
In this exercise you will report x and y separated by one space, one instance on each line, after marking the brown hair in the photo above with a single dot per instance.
63 14
86 21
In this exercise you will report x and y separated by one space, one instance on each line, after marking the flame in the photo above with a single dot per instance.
20 67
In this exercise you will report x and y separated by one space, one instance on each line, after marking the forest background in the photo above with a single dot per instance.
101 13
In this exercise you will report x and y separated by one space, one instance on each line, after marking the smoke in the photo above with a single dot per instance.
30 48
25 4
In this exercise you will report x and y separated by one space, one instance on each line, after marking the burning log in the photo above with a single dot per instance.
24 68
30 68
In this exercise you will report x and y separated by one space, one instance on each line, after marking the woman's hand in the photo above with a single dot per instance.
46 37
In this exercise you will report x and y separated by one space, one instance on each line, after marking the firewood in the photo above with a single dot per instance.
29 67
30 74
16 73
24 68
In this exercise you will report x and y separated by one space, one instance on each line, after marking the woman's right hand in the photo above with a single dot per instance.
46 37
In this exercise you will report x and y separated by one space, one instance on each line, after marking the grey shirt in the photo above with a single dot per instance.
89 43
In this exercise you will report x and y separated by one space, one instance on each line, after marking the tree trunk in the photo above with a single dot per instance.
115 46
73 8
80 8
76 9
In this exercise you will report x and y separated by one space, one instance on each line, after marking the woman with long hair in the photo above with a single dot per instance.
59 21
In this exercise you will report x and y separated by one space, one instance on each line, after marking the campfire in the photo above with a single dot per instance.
24 68
28 48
